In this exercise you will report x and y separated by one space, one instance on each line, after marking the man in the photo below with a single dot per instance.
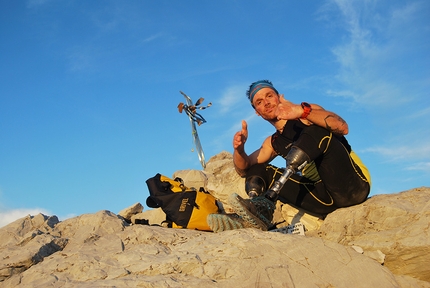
323 172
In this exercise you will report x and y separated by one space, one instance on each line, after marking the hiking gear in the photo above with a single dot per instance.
255 186
190 110
257 86
258 211
224 222
184 207
296 160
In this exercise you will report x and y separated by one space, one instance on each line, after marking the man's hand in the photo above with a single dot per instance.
240 137
286 110
240 159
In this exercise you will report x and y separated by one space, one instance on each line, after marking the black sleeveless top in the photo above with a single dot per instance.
281 142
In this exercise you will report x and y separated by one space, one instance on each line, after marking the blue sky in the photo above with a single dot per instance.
89 90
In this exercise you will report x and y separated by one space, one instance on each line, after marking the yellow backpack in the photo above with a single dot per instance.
184 207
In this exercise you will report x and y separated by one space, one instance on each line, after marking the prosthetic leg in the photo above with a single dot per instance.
254 186
296 161
257 212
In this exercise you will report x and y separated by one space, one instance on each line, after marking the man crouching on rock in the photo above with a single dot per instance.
323 172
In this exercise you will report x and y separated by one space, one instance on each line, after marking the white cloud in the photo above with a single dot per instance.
230 97
152 38
237 126
9 216
420 166
420 113
36 3
402 153
80 60
372 56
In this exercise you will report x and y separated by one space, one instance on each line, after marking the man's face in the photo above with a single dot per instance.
265 102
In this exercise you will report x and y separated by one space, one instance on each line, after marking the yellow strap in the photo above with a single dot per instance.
360 164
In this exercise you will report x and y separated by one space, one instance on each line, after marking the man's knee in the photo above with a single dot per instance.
314 141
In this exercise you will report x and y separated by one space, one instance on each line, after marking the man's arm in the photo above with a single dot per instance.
327 119
318 116
243 161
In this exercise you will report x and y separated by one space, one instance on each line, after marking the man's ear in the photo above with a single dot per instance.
256 112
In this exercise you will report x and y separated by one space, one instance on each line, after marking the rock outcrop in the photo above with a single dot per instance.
383 242
395 224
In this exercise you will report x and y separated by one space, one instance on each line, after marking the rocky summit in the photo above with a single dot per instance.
383 242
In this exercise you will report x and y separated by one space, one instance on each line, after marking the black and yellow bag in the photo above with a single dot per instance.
184 207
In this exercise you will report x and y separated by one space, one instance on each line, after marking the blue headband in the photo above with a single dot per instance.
257 86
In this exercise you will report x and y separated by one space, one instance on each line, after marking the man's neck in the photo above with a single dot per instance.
278 124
